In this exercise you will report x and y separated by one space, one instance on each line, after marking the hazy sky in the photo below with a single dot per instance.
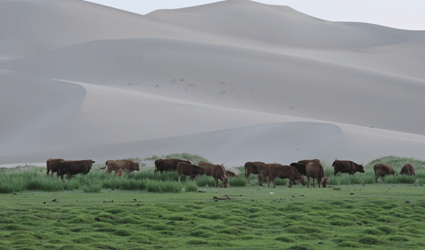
402 14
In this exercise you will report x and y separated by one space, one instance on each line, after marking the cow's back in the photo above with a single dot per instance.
52 164
408 169
208 167
254 166
383 169
315 170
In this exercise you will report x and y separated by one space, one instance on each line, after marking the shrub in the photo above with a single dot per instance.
205 181
163 186
238 182
191 187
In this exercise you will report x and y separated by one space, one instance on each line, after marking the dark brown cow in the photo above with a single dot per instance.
71 168
408 169
315 171
125 165
346 167
219 173
283 171
52 165
382 170
230 174
184 168
256 167
162 165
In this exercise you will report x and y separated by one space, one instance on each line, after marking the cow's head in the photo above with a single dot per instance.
301 180
325 182
225 182
135 166
360 168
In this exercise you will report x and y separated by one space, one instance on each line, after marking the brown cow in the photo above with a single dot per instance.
162 165
125 165
52 165
207 167
184 168
256 167
282 171
315 171
408 169
382 170
74 167
219 173
230 174
346 167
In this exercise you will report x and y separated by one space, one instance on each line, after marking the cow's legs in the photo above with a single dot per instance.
216 182
319 180
290 183
178 176
260 180
314 185
247 174
308 184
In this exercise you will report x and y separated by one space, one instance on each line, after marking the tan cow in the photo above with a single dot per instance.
52 165
315 171
382 170
408 169
219 173
125 165
283 172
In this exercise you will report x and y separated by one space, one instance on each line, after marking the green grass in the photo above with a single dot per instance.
376 216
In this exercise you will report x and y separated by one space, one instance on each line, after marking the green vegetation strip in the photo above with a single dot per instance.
383 216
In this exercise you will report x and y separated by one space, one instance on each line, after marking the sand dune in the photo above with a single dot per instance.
232 81
282 25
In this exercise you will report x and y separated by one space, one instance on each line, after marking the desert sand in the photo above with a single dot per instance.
233 81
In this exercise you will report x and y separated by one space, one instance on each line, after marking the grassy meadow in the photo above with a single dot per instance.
146 210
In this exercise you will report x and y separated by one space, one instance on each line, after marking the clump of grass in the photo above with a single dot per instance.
163 186
191 187
238 182
205 181
399 179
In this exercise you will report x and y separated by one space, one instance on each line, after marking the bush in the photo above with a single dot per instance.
163 186
191 187
205 181
238 182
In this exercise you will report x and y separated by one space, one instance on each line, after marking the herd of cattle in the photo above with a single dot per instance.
296 171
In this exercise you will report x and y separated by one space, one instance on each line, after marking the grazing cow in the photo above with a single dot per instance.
300 165
124 165
52 165
74 167
315 171
346 167
230 174
282 171
382 170
162 165
189 169
256 167
408 169
219 173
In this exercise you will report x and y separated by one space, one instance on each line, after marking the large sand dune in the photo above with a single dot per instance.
233 81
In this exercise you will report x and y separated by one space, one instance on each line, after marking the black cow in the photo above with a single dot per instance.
162 165
347 167
71 168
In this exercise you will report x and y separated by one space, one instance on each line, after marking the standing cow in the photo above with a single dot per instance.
283 172
219 173
408 169
71 168
315 171
184 168
52 165
124 165
347 167
300 165
256 167
162 165
382 170
207 167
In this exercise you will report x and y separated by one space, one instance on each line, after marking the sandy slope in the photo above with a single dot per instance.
232 81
